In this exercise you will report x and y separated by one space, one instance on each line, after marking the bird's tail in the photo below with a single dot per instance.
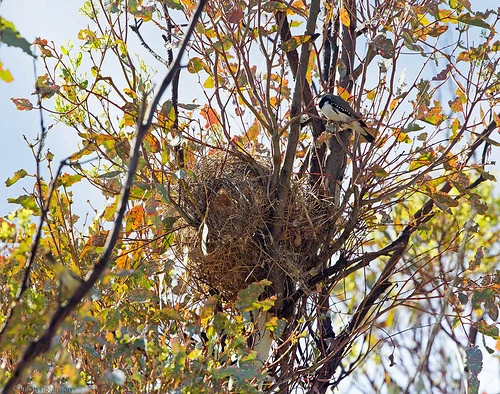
367 133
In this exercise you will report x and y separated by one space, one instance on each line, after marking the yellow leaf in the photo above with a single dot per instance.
209 83
344 17
393 104
371 95
344 94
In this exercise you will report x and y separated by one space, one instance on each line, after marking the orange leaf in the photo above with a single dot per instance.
210 116
134 219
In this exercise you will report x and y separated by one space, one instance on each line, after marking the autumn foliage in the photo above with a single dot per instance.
261 249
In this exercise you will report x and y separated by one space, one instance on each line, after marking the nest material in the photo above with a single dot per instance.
229 200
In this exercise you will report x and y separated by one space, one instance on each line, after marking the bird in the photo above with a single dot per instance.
68 280
338 110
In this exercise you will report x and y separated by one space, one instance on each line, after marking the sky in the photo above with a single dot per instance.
55 20
59 21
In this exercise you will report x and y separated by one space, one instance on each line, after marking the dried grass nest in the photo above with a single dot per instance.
228 247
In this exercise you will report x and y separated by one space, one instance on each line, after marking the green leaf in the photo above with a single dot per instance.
17 175
463 298
189 107
474 360
174 4
195 65
481 296
414 126
296 41
490 330
473 21
27 202
248 299
274 6
243 371
110 174
10 36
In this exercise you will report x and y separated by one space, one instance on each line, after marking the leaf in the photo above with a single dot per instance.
17 175
437 30
478 257
42 47
443 74
22 104
491 308
378 171
68 180
456 105
344 17
209 83
274 6
45 87
481 296
474 362
134 219
466 4
109 174
210 116
189 107
296 41
28 202
414 126
276 326
463 298
242 371
236 16
474 21
196 64
424 159
253 131
5 74
249 297
433 116
174 4
490 330
10 36
445 199
384 46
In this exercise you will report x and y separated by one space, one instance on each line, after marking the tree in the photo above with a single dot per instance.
262 249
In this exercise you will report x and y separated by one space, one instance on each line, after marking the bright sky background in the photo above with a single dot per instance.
59 21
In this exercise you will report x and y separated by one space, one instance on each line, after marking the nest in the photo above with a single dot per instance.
228 248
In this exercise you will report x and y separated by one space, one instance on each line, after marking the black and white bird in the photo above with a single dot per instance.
338 110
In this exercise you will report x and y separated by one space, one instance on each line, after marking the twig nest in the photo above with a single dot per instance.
229 247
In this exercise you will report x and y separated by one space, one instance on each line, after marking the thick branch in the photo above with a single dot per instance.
283 186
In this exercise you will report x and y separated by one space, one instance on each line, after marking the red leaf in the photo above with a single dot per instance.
236 16
22 104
